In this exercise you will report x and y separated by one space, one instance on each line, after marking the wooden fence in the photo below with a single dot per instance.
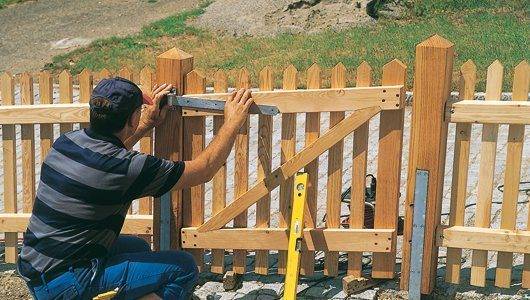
183 135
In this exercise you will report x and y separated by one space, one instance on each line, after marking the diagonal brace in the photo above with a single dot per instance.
289 168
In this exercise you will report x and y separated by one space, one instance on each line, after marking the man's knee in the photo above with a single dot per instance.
184 261
131 244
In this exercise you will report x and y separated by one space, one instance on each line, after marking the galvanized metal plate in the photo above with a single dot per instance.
418 233
218 105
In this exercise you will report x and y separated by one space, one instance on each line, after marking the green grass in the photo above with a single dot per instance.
482 31
4 3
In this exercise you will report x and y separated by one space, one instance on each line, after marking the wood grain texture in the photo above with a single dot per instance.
484 239
490 112
276 238
334 190
126 73
488 152
389 170
241 174
103 73
289 168
134 224
288 150
28 146
319 100
512 175
147 80
359 164
86 84
171 67
66 95
432 86
263 206
46 97
312 132
7 88
219 179
466 88
193 145
64 114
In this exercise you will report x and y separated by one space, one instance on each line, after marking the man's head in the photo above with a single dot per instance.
115 107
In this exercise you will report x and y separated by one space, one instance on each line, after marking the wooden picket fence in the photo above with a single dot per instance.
183 136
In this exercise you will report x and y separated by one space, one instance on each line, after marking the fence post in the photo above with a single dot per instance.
432 85
171 67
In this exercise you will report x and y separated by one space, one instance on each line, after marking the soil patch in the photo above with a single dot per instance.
272 17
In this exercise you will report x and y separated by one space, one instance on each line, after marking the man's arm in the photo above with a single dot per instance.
207 163
151 115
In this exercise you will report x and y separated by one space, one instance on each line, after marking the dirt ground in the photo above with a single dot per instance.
271 17
31 33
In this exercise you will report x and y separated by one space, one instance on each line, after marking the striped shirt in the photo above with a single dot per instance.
87 183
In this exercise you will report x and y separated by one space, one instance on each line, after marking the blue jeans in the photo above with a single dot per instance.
131 268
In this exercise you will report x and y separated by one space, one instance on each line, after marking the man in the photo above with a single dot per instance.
72 248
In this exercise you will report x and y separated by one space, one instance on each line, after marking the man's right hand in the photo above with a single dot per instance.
236 108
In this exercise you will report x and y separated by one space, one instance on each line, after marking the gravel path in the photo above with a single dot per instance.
31 33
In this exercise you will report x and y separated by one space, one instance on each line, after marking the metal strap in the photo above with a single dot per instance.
418 233
218 105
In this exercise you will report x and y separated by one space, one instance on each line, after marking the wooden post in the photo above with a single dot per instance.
432 83
171 67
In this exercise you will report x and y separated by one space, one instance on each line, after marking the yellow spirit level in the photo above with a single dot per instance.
295 237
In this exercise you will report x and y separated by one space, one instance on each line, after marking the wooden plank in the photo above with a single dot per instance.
312 132
525 280
44 114
46 97
263 206
103 73
289 168
28 146
193 145
490 112
319 239
432 86
9 146
319 100
136 224
126 73
488 152
484 239
219 179
66 94
334 191
389 169
288 150
512 175
171 67
468 76
147 79
359 163
241 175
86 84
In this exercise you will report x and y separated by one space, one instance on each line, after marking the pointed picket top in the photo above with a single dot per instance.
147 79
468 80
26 88
266 80
314 78
45 87
521 79
65 87
494 81
7 89
126 73
86 84
243 78
435 41
104 73
85 75
364 75
394 72
175 53
290 78
220 84
65 75
195 82
338 76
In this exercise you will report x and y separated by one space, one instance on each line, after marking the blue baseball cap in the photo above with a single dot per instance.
124 95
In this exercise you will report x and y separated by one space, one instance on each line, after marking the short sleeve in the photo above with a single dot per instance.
156 176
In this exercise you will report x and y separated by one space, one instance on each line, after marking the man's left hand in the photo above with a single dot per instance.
153 115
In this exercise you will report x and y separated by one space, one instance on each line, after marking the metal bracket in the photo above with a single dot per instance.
418 233
181 101
165 220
